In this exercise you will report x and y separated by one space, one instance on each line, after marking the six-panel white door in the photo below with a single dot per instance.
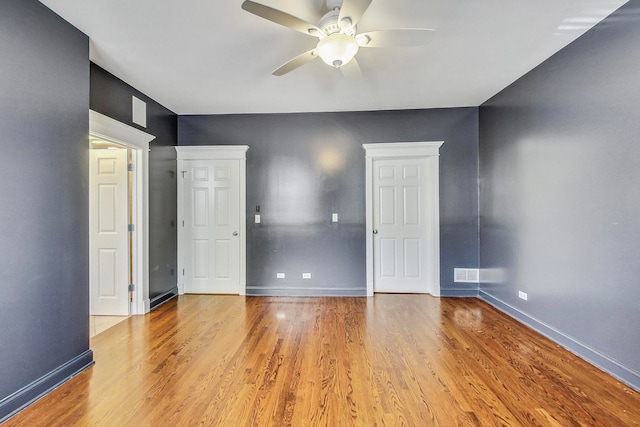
212 226
108 247
400 225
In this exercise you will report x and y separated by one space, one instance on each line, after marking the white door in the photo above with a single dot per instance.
400 246
109 251
212 226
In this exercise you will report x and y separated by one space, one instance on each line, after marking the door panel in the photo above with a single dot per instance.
388 258
399 210
411 208
223 207
200 207
387 205
412 258
109 251
212 224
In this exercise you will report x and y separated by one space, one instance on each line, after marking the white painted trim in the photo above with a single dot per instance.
214 152
430 151
103 127
395 150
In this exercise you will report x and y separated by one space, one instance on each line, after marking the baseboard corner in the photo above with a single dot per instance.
28 394
602 361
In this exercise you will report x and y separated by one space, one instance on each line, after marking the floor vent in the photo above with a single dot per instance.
466 275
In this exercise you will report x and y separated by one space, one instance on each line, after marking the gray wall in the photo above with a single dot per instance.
112 97
303 167
44 201
560 195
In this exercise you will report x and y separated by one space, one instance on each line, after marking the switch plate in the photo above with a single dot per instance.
306 275
257 219
280 275
334 217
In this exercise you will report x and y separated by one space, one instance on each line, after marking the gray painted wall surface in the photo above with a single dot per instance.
303 167
560 193
44 199
112 97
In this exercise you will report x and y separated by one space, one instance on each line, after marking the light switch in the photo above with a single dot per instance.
257 219
334 217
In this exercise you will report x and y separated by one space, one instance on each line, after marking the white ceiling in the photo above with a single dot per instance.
212 57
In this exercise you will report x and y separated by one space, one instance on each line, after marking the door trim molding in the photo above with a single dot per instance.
103 127
397 150
214 152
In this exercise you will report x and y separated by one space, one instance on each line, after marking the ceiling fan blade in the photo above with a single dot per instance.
282 18
351 71
296 62
351 12
395 38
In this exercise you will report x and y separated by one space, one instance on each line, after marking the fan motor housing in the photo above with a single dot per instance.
329 23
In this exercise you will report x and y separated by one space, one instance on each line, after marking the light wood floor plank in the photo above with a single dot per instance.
391 360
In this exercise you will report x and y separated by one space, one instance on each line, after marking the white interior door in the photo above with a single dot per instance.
109 252
212 226
400 246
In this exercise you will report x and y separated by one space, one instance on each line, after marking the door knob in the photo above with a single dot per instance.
375 231
235 233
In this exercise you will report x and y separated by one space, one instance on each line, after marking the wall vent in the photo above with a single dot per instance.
139 111
466 275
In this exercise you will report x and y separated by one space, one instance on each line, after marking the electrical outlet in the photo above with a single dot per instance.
280 275
306 275
522 295
334 217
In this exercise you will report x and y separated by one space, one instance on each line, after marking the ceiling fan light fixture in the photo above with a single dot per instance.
337 49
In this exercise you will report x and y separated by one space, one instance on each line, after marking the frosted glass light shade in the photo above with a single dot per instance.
337 49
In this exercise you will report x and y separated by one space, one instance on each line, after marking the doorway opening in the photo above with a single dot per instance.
111 227
402 217
131 262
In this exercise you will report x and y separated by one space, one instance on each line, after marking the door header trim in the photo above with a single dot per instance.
403 149
207 152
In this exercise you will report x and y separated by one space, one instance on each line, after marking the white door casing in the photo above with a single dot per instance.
109 248
402 217
212 219
105 128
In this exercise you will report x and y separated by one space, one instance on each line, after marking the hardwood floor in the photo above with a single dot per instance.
390 360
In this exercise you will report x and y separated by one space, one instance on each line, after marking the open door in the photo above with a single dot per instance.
109 256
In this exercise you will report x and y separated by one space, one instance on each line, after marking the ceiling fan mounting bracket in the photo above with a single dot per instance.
333 4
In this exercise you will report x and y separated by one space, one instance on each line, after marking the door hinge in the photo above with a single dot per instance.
183 222
132 287
131 228
183 271
183 172
131 167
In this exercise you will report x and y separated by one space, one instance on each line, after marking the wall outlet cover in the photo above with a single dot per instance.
280 275
306 275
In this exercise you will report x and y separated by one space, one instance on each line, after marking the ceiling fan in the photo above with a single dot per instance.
339 40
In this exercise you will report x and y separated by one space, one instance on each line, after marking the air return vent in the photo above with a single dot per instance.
466 275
